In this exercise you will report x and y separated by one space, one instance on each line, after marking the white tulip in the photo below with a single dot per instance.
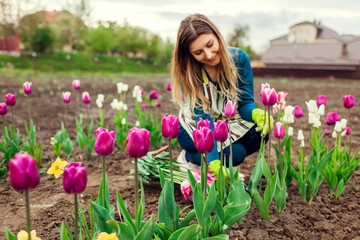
334 134
290 131
321 110
123 121
343 123
338 127
100 97
99 103
125 107
137 124
300 136
343 133
114 104
302 144
311 106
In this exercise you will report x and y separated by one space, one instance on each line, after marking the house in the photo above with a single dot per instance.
310 49
10 45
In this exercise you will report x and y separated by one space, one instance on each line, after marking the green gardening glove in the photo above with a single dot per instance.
258 117
214 167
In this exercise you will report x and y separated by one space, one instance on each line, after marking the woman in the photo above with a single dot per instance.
205 76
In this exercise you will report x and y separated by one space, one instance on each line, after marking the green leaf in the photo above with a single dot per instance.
218 237
210 203
162 231
103 216
9 235
126 232
187 233
340 188
270 190
256 172
264 211
124 211
190 216
63 233
147 230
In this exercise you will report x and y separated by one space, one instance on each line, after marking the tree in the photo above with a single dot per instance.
42 40
239 38
100 40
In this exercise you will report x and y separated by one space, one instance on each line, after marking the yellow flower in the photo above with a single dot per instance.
23 235
106 236
57 168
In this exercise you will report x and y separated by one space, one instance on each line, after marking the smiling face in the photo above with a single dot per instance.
205 49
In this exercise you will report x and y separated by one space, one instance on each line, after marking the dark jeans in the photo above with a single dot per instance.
243 147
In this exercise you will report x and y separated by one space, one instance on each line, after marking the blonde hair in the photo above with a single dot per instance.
186 70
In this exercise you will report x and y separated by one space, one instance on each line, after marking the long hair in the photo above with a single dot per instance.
186 70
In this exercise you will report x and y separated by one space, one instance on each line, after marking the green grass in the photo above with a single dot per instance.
81 62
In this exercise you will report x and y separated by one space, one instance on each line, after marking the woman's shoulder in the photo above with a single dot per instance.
238 55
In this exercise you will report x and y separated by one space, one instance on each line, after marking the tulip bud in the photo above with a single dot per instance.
76 84
66 97
24 173
168 86
27 87
74 178
230 109
321 100
268 96
137 124
203 139
3 109
276 108
279 130
86 97
281 96
158 103
137 142
221 131
170 126
332 118
143 105
349 101
104 142
10 99
154 95
300 136
302 144
348 131
298 113
334 134
326 133
203 123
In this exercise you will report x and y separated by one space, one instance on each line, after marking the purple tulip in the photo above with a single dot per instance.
143 105
203 123
10 99
279 130
168 86
221 130
298 112
268 96
203 139
154 95
158 103
104 143
230 109
76 84
66 97
321 99
3 109
332 118
27 87
326 132
75 178
348 131
349 101
137 142
86 97
170 126
24 173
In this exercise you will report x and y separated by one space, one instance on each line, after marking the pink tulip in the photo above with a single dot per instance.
332 118
221 130
168 86
230 109
203 139
203 123
279 130
326 132
281 96
3 109
76 84
27 87
298 112
268 96
74 178
154 95
321 99
104 142
186 187
143 105
170 126
10 99
86 97
24 173
66 97
158 103
349 101
348 131
142 91
137 142
186 190
263 86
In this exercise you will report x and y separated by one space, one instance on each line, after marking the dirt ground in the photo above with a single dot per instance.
324 219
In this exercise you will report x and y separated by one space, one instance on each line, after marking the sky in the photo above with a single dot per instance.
266 19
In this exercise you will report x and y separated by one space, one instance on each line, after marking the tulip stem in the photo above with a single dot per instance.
3 117
281 164
29 111
13 119
65 115
206 172
28 221
269 145
349 132
171 164
136 194
76 217
104 176
231 153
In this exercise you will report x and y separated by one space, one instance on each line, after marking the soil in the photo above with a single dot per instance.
325 218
